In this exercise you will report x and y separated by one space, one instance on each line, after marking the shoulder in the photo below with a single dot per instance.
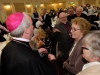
58 25
69 23
17 50
74 15
93 70
84 14
79 43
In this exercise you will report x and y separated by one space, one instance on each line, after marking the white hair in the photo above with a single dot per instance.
79 8
92 40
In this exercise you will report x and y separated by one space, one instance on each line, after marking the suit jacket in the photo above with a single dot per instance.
63 38
82 15
75 60
70 17
47 21
18 59
93 70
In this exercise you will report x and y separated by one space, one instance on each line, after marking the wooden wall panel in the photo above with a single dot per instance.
79 2
9 9
19 7
49 6
28 7
99 1
92 2
1 18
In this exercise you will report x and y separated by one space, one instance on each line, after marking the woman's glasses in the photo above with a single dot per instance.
85 48
74 29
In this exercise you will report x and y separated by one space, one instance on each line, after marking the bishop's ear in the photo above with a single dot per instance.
26 30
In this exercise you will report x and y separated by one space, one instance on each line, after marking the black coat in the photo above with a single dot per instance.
82 15
19 59
47 22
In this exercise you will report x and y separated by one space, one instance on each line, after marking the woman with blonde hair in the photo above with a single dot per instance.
38 39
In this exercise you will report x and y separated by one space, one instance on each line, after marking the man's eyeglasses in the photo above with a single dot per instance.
74 29
85 48
63 17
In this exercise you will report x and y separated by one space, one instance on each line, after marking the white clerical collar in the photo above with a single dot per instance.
90 64
21 39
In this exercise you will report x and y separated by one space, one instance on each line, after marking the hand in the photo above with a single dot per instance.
65 64
43 50
51 57
3 28
39 19
43 22
56 30
40 43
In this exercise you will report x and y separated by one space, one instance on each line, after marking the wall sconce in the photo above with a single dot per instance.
42 5
52 4
73 4
28 5
60 3
7 6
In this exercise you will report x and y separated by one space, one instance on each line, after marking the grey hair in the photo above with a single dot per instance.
92 40
20 30
79 8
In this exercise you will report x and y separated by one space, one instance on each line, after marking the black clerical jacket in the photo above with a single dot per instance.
18 59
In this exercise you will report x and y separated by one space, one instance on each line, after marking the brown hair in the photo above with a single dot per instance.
83 24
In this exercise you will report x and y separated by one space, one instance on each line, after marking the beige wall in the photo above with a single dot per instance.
92 2
1 18
20 5
80 2
49 6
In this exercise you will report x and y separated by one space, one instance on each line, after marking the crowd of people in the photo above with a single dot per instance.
71 47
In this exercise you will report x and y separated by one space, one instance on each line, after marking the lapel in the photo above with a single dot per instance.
78 45
75 52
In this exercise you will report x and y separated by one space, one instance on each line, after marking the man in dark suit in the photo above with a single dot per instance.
46 20
79 13
62 32
71 12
